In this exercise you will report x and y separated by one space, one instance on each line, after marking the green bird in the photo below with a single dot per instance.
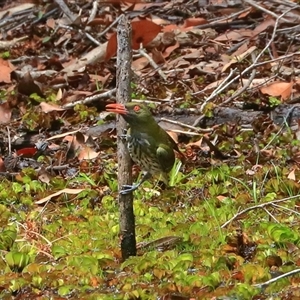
149 146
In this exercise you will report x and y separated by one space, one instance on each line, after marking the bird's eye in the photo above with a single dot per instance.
136 108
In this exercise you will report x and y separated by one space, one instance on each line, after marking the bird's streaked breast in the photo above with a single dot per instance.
145 159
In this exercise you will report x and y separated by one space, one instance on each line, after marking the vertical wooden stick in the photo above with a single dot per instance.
124 58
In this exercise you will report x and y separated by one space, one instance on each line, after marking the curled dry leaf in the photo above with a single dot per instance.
27 86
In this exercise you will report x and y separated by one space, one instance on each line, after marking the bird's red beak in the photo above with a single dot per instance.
116 108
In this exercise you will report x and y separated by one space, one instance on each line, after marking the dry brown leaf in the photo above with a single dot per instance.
269 22
241 49
239 58
5 113
292 175
196 144
143 32
173 135
48 107
59 95
191 22
157 56
77 144
6 69
210 87
221 198
170 49
2 166
44 176
235 35
283 89
51 23
245 13
27 86
87 153
170 27
140 63
73 143
142 5
67 191
99 78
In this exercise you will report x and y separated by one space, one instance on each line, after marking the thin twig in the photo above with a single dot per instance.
90 99
229 17
256 5
290 55
219 89
286 208
281 127
65 9
264 284
245 87
262 205
109 27
92 39
153 64
93 12
270 215
185 132
186 125
9 140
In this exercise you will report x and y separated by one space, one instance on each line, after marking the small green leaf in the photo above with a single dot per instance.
58 251
17 260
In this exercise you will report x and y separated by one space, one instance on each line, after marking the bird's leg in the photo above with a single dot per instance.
127 188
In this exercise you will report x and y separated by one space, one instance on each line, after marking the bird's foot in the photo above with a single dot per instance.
123 137
127 188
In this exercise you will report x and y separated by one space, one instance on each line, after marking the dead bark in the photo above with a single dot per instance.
127 220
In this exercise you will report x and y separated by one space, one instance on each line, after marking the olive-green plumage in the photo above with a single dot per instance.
150 147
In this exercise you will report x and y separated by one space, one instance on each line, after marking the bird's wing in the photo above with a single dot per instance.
165 156
164 153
